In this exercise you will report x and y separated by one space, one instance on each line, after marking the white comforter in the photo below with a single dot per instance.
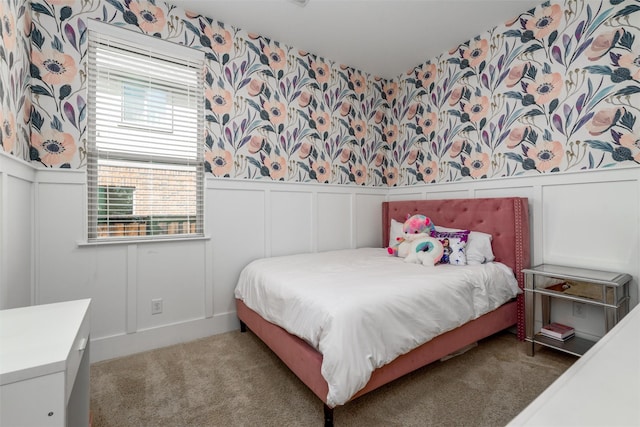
361 308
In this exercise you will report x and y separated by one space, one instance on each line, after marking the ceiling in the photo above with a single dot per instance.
381 37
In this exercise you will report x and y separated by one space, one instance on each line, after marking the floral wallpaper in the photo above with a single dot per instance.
272 112
555 89
14 66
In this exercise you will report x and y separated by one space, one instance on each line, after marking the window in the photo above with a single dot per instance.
145 166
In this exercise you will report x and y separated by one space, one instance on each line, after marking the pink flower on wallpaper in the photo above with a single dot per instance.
429 171
255 144
378 116
603 120
359 172
477 52
516 136
277 112
55 148
411 112
546 155
220 160
545 21
477 108
391 133
391 175
631 61
359 129
427 75
220 100
515 74
429 123
305 150
277 166
255 87
221 39
455 96
546 88
304 99
8 131
602 44
412 156
321 71
345 155
56 68
478 164
358 81
276 56
456 148
8 32
322 120
379 159
632 142
322 168
345 108
390 90
150 17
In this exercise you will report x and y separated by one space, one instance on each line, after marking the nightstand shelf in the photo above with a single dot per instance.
549 282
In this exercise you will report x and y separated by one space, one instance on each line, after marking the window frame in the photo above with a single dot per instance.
177 54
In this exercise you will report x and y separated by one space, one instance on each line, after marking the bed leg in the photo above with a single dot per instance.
328 416
243 326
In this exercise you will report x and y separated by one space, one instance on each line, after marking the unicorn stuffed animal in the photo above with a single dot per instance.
426 251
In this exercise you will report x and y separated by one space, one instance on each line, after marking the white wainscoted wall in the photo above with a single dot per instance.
587 219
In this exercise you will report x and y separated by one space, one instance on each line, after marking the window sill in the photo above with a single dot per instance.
142 241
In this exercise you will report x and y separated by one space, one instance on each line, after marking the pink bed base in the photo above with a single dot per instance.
507 219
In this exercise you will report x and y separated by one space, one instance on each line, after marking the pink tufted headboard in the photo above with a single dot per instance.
506 219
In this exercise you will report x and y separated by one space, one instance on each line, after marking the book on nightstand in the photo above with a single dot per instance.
557 331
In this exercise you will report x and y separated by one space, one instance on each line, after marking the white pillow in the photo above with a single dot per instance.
478 248
395 231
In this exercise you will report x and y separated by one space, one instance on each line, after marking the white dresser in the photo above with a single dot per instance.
44 365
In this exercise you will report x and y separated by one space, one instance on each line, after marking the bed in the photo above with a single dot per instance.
506 219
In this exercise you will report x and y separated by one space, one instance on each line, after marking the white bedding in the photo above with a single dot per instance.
361 308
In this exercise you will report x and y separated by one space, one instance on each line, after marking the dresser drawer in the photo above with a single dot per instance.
75 355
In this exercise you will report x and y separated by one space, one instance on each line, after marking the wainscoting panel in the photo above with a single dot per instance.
291 218
368 220
16 232
335 223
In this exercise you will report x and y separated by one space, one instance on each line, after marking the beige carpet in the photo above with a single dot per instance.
233 379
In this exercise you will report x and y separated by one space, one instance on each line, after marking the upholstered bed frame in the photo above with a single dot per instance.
506 219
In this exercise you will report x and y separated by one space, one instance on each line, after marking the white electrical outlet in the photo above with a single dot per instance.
579 310
156 306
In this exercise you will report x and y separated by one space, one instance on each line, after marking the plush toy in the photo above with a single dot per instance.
414 228
426 251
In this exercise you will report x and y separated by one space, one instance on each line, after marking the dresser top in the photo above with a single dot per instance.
36 340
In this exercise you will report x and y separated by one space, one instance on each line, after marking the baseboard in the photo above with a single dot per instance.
104 348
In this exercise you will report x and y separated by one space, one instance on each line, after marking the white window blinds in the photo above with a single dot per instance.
145 154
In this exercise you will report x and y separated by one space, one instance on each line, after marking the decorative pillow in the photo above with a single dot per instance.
478 249
454 244
395 232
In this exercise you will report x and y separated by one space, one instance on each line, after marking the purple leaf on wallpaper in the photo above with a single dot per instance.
567 110
70 113
243 125
71 35
485 80
82 108
326 99
243 83
227 74
566 41
500 62
583 121
227 133
485 137
501 122
580 103
557 122
243 67
244 141
579 29
434 98
82 28
582 47
557 54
